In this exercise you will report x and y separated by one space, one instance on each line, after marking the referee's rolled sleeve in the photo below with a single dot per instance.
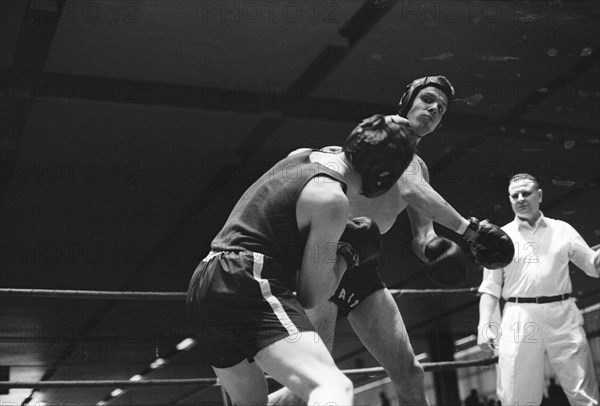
492 282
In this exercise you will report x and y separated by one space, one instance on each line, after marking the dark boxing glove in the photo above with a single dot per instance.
360 242
447 266
490 246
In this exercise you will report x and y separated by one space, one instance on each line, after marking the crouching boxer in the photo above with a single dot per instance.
362 296
283 235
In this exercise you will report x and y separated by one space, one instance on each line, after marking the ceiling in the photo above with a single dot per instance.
130 128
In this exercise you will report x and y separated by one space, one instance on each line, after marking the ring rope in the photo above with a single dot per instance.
371 372
93 294
433 292
179 296
428 366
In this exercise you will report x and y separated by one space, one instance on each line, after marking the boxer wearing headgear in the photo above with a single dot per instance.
412 90
362 296
380 151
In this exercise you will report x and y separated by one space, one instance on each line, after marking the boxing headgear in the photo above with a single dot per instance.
380 151
407 99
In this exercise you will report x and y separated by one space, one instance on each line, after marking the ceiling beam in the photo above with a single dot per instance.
296 102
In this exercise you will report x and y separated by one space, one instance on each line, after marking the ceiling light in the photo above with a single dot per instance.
117 392
186 344
159 362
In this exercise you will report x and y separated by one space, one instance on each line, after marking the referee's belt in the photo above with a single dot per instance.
540 299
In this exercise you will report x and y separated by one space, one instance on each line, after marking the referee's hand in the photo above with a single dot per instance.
488 348
487 339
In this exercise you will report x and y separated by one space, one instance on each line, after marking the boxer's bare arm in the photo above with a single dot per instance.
416 191
422 231
421 226
322 211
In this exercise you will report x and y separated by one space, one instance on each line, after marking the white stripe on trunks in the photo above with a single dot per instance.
268 295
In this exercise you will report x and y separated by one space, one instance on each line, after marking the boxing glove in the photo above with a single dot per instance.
360 242
446 266
490 246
